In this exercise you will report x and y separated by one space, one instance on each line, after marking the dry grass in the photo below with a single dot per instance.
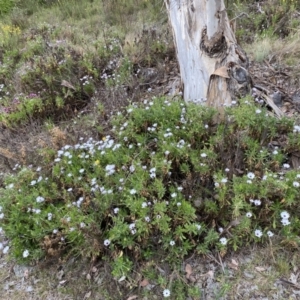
58 137
279 50
7 153
260 49
256 272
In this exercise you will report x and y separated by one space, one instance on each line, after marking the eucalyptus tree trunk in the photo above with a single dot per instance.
213 67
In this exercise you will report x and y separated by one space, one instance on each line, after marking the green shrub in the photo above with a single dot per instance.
6 6
167 181
59 77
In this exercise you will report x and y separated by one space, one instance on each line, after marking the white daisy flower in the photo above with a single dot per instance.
5 250
223 241
251 175
106 243
257 202
132 226
285 222
258 233
50 215
166 293
25 253
284 215
198 226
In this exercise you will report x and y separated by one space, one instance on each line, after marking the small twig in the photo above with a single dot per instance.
148 83
261 88
240 15
291 28
189 258
172 278
213 258
221 263
271 250
233 223
4 279
259 9
289 283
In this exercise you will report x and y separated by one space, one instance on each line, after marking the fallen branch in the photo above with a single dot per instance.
264 93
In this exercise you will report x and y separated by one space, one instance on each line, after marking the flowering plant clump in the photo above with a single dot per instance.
166 180
7 30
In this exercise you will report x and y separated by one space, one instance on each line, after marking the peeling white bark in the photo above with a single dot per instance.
204 43
212 19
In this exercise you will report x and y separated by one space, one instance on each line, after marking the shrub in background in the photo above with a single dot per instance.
6 6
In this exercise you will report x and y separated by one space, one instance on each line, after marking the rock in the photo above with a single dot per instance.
29 289
296 96
22 271
277 98
248 275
